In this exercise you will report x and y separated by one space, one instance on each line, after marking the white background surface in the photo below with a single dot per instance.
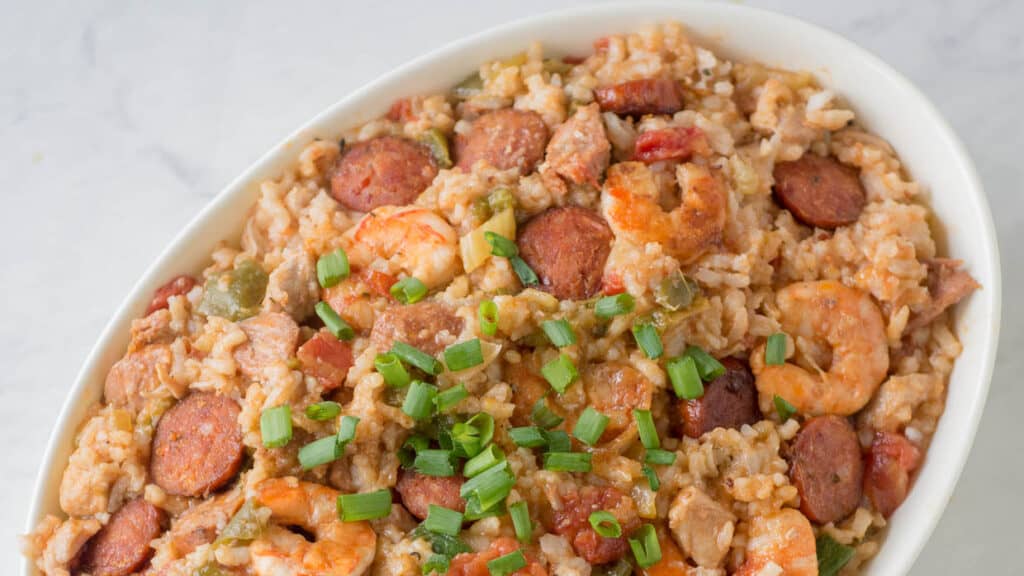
119 121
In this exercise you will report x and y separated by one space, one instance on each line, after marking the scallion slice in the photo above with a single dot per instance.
605 524
521 521
483 422
560 373
490 486
616 305
407 453
463 355
490 456
590 426
365 506
567 461
660 457
645 426
276 426
648 339
707 366
464 439
543 416
501 246
775 350
783 408
390 367
449 397
416 358
437 563
526 274
334 323
434 463
347 430
527 436
323 410
332 268
652 477
419 402
559 332
474 512
441 520
319 452
685 378
487 314
558 441
644 544
507 564
409 290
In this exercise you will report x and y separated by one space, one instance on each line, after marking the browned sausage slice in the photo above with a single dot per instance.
197 447
428 326
174 287
387 170
819 191
419 491
638 97
567 247
572 521
729 401
122 546
506 139
827 469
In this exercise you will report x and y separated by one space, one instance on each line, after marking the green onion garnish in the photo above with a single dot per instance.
560 373
276 426
501 246
390 367
412 445
616 305
647 338
507 564
442 520
463 355
487 313
332 268
605 524
590 426
682 371
526 274
319 452
543 416
784 408
491 456
652 477
419 402
558 441
483 422
521 521
527 436
775 350
323 410
365 506
474 512
438 563
660 457
464 439
448 398
567 461
334 323
832 555
408 290
645 426
434 463
707 366
559 332
417 358
644 544
347 430
490 486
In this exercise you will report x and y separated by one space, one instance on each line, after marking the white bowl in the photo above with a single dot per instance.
883 100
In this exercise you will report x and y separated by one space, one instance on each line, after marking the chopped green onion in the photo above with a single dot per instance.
521 521
334 323
707 366
475 512
434 463
443 520
347 430
614 305
464 355
559 332
442 544
652 477
483 422
507 564
784 408
560 373
605 524
567 461
464 439
501 246
450 397
644 544
438 563
319 452
365 506
407 453
543 416
490 486
408 290
660 457
487 313
645 426
775 350
832 555
558 441
526 274
491 456
682 371
419 402
527 436
416 358
332 268
590 426
390 367
647 338
323 410
276 426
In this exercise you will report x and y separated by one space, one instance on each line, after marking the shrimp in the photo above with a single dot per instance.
780 543
841 358
630 204
339 549
408 240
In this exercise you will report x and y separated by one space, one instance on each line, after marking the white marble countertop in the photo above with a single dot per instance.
120 120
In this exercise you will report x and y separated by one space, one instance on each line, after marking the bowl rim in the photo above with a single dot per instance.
664 9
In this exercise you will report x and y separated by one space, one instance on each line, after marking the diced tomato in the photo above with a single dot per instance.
326 358
890 461
174 287
475 563
379 283
400 111
612 285
670 144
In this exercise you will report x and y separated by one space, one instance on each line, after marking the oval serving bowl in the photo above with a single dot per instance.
884 101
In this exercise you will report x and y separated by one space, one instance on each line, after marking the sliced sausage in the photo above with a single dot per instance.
122 546
567 247
326 358
133 379
527 388
572 521
947 285
579 150
506 139
827 469
177 286
273 337
729 401
475 563
428 326
890 462
197 447
419 491
819 191
387 170
670 144
638 97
